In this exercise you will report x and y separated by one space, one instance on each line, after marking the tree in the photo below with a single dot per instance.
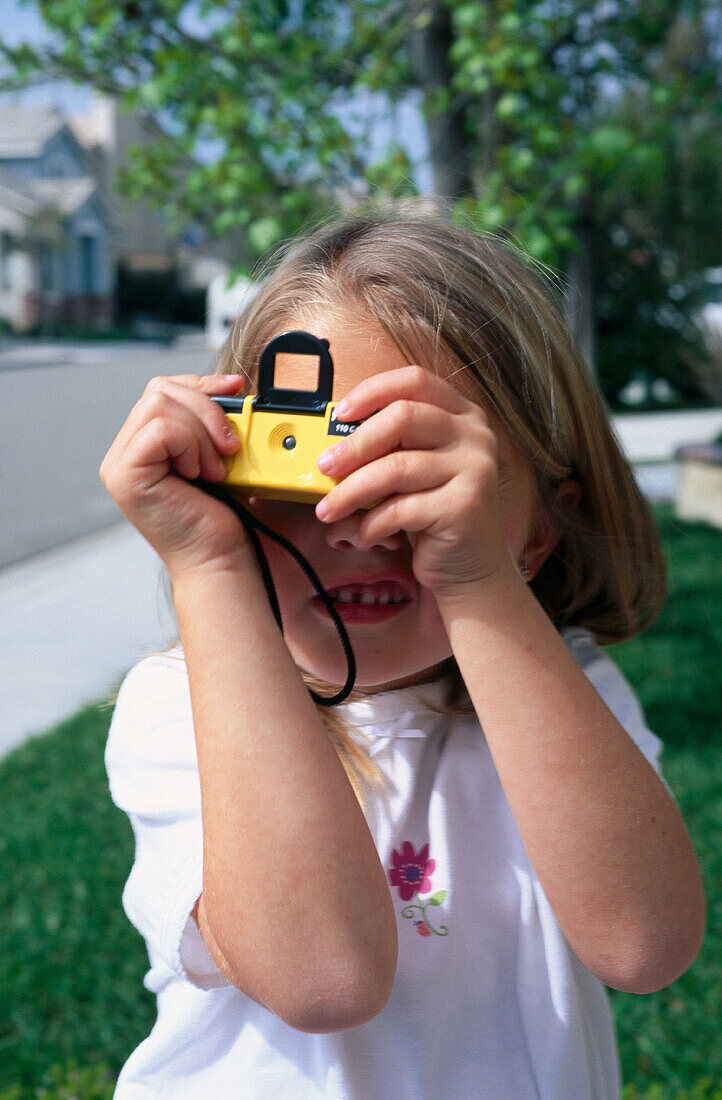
658 222
527 106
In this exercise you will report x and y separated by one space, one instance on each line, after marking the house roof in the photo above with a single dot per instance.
25 128
15 194
66 195
106 126
26 197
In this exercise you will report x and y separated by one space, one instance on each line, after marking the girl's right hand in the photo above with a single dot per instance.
173 435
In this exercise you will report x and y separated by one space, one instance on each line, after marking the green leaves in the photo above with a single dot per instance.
509 106
264 232
550 113
469 17
607 145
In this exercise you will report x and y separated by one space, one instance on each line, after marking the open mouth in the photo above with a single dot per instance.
370 595
367 602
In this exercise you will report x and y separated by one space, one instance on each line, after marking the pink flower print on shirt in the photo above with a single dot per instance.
411 875
411 870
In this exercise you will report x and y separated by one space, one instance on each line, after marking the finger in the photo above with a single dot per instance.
413 383
159 395
409 514
184 453
396 474
177 437
148 458
403 425
446 511
206 383
210 414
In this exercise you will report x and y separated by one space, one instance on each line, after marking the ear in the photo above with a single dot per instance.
548 530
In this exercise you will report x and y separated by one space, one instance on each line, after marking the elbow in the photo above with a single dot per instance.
645 976
339 1003
332 995
648 963
316 984
656 970
321 994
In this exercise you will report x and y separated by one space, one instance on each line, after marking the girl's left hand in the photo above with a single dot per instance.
425 462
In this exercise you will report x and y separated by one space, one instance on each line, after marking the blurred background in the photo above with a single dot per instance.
152 151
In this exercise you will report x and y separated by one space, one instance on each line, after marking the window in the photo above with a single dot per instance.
5 245
46 260
87 264
57 166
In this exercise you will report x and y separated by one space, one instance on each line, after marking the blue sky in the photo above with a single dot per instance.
21 23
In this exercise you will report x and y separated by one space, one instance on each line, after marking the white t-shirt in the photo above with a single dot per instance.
489 1002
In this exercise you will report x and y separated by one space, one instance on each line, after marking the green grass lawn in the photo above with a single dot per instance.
675 1036
71 966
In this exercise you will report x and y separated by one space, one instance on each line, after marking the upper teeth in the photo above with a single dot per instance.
391 594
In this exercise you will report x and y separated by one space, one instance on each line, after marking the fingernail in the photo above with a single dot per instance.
342 407
326 459
321 509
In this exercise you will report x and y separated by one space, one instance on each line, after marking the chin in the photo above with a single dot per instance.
334 674
380 665
370 677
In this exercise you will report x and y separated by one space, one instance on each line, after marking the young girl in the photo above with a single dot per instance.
421 892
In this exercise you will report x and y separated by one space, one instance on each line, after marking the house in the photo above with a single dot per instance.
143 248
141 241
55 226
75 250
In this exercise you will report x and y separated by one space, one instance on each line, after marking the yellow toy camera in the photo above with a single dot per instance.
282 431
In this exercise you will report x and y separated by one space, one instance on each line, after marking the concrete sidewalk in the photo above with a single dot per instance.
72 621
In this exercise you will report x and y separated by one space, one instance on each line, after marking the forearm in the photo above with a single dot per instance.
602 832
294 894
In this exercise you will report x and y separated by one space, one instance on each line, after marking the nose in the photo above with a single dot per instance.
344 534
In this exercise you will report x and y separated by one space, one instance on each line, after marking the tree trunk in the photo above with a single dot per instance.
578 303
430 47
489 131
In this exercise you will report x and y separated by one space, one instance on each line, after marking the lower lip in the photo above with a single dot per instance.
363 612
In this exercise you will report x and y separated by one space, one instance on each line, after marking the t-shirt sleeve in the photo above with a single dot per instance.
153 772
616 692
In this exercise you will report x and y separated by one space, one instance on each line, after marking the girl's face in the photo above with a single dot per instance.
394 624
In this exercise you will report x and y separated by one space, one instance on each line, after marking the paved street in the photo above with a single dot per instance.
80 591
82 599
60 408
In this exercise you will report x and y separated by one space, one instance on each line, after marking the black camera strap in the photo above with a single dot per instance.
253 527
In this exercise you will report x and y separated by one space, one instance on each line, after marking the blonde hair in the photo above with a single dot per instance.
468 307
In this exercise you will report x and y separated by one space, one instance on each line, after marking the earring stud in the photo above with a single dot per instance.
524 569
